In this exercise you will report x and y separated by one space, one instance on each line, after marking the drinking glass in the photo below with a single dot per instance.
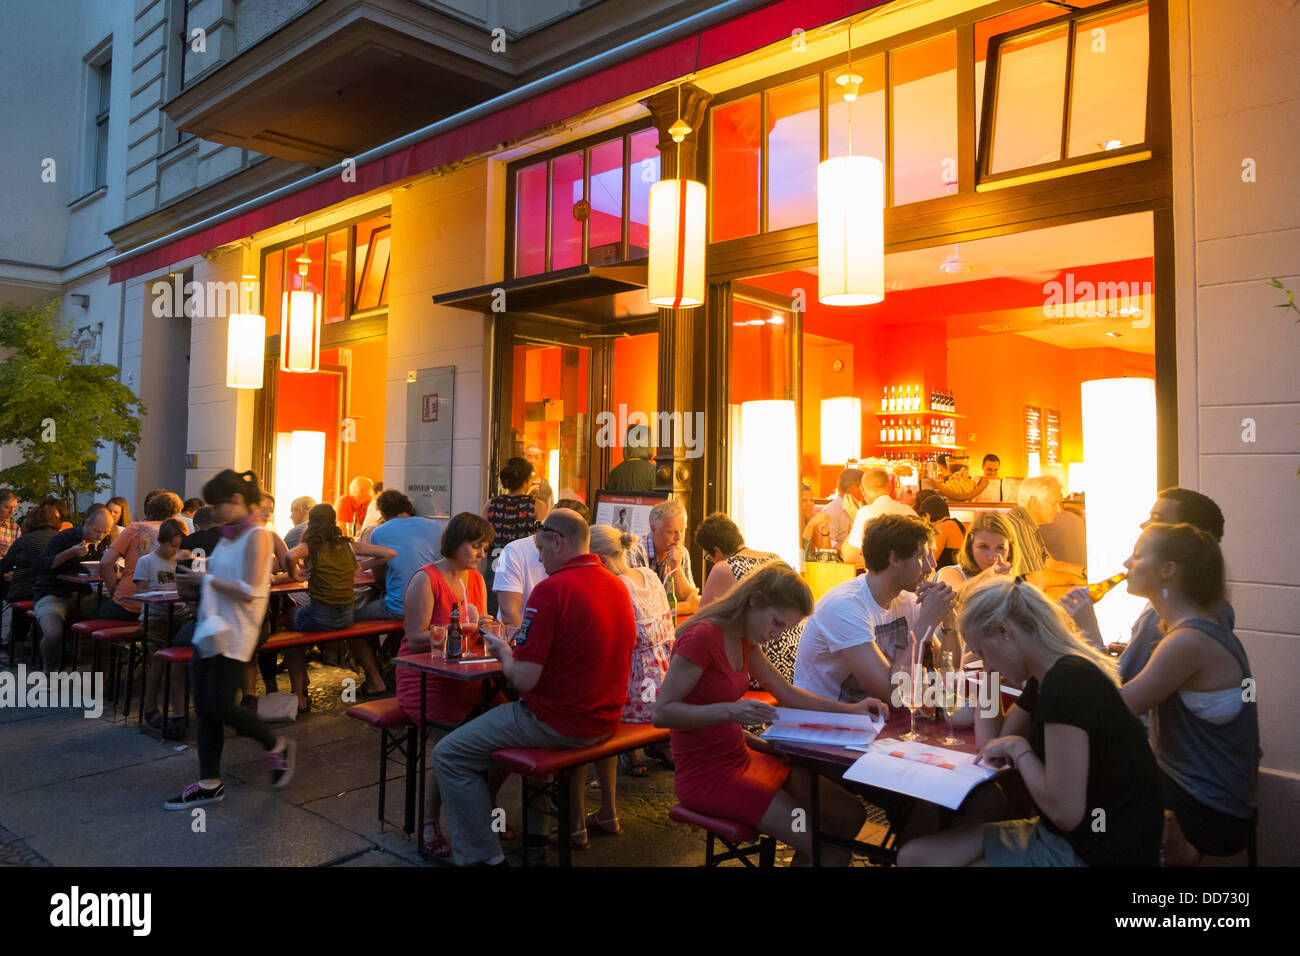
949 674
469 625
907 691
438 636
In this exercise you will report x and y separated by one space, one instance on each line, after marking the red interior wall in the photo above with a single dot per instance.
308 401
636 380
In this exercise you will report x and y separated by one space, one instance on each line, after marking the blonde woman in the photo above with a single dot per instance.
650 658
702 702
1082 754
989 546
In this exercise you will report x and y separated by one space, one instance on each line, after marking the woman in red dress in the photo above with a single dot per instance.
718 773
430 594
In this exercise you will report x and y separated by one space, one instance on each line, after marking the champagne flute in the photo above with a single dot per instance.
949 674
906 689
468 624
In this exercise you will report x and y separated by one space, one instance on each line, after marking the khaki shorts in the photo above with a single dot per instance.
1026 843
53 604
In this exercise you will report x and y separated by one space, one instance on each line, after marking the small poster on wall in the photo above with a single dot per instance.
627 511
430 394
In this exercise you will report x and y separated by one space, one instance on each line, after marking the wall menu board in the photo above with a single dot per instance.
1051 436
1033 430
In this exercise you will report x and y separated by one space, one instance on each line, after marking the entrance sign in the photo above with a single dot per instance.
429 414
627 511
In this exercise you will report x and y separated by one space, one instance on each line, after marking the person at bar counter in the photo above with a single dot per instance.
62 555
950 534
452 580
953 479
860 626
993 489
520 569
702 703
570 664
666 554
875 490
1063 535
636 472
840 511
351 508
1080 751
538 486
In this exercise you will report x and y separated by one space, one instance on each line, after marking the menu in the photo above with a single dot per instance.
935 774
818 727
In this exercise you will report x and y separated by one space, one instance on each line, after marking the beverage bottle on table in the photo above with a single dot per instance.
928 664
1099 590
455 642
672 602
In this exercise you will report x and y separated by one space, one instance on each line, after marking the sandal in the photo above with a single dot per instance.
603 827
663 753
438 848
632 765
578 839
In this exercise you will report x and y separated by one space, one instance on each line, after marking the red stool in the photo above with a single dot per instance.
731 832
388 716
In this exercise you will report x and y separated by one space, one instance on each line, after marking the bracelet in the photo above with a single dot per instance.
1028 751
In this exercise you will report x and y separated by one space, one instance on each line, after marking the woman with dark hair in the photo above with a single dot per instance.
512 515
235 588
1204 729
332 561
120 509
434 590
40 525
950 533
702 702
64 524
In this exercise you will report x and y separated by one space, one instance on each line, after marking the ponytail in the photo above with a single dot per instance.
1198 557
223 487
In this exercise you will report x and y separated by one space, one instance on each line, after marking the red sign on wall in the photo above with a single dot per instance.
429 412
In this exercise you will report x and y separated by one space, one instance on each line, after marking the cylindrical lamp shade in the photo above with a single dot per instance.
300 331
299 472
851 231
1119 446
841 430
245 350
769 451
677 234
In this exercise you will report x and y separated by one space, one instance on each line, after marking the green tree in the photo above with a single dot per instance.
60 413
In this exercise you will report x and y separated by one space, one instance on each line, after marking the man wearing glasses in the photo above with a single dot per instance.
570 664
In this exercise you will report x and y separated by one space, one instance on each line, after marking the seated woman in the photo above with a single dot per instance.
989 546
16 567
650 659
724 546
332 559
1205 736
950 533
1082 754
702 702
120 509
452 580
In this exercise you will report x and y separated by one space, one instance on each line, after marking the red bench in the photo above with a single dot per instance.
114 634
540 764
731 832
388 716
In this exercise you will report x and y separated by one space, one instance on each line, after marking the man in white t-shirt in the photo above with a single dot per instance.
875 488
859 628
519 570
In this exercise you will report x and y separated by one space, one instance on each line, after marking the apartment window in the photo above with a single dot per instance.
178 45
1067 91
101 85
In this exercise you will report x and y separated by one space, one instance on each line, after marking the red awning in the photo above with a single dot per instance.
718 44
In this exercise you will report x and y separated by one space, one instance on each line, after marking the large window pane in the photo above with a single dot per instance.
1030 99
605 229
336 276
1007 22
923 78
759 350
566 190
372 263
794 149
644 172
1108 103
737 152
272 289
868 111
550 414
530 220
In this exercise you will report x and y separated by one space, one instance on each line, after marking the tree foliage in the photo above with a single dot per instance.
60 413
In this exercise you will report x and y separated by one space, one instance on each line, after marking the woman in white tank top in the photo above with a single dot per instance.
235 588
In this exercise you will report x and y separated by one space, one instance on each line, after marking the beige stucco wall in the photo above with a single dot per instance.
1236 97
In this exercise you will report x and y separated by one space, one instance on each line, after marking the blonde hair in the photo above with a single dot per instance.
988 522
609 542
774 584
1004 600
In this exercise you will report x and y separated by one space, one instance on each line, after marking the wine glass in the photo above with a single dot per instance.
949 674
468 623
907 690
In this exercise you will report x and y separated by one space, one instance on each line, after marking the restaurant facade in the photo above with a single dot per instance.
1072 194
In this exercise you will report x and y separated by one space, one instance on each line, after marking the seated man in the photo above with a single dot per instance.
519 569
860 627
298 510
86 542
570 664
351 508
666 555
1038 502
875 489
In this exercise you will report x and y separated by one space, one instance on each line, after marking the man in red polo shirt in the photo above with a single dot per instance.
570 663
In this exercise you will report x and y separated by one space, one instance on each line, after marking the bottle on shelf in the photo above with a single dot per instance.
893 398
916 398
1099 590
884 399
884 430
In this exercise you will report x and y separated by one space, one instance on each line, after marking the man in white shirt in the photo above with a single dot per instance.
860 627
519 570
875 488
843 508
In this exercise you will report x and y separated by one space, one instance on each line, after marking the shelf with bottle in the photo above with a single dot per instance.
920 414
910 444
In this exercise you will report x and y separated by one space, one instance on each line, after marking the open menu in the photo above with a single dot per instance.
935 774
817 727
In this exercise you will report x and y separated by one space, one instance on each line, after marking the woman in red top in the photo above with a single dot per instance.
430 594
718 773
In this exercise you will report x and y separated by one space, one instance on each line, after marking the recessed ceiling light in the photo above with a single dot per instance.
1112 144
1114 335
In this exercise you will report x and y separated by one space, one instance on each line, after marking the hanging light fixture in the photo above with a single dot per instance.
850 218
677 218
246 344
300 318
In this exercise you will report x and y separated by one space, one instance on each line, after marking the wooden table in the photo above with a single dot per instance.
85 580
832 761
489 672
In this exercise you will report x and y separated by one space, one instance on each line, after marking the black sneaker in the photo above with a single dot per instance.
196 795
282 763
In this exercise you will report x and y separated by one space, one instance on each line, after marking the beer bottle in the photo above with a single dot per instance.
672 601
1102 588
455 642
